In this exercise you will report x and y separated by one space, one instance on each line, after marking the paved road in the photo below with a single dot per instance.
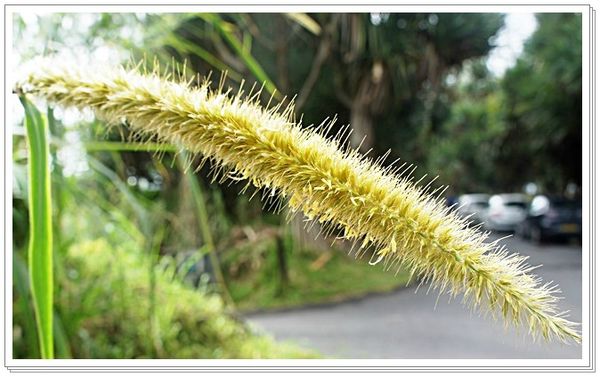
403 324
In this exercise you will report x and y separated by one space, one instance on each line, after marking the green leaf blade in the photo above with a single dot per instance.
237 46
40 226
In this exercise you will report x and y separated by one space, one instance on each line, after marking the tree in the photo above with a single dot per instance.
390 70
467 143
543 95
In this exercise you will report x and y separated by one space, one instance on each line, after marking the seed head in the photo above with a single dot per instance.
372 206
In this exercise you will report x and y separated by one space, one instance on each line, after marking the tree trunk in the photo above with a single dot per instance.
369 100
282 266
362 126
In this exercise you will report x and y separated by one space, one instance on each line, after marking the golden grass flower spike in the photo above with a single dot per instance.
372 206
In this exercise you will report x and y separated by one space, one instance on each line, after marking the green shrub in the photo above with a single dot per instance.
104 303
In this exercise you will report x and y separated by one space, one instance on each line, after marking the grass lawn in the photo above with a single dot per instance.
313 278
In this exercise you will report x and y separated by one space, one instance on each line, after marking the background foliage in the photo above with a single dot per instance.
139 242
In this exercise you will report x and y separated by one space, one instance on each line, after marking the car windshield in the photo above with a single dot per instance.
570 204
516 204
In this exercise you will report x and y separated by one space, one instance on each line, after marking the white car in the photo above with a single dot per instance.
473 206
506 212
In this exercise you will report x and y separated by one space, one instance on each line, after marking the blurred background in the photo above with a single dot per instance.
156 261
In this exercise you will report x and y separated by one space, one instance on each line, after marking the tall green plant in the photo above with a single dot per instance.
40 226
224 30
205 230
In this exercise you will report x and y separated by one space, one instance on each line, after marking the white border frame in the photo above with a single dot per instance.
326 364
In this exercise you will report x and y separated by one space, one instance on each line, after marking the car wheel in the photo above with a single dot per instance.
536 235
521 232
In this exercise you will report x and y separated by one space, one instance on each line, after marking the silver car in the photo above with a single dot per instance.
506 212
473 206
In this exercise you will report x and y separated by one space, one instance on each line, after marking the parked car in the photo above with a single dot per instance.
552 217
506 212
473 205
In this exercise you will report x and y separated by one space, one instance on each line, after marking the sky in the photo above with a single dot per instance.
518 27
